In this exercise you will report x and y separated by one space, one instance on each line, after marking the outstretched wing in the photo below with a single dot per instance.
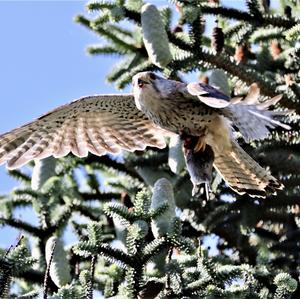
98 124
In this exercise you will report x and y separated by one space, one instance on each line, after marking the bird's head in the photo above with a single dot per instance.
145 82
148 87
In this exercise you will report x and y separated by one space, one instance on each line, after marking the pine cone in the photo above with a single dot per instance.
217 41
218 79
163 193
178 8
275 49
59 268
289 79
265 5
241 53
177 28
288 11
204 79
42 171
155 36
176 160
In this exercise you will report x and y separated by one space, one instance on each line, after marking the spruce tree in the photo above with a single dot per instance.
140 232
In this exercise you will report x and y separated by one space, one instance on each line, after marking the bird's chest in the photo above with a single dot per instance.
177 116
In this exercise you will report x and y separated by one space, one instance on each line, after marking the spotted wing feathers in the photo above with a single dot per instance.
98 124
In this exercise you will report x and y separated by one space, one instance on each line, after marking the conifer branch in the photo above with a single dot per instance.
239 15
18 224
17 174
107 196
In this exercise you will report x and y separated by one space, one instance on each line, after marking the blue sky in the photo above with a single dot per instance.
43 62
43 65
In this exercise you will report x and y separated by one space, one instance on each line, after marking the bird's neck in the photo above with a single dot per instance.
150 104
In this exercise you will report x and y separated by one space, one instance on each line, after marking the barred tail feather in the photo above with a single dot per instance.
254 119
243 174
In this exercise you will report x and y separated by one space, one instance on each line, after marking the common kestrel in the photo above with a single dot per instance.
109 123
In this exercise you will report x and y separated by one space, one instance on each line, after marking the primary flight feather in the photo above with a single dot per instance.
108 123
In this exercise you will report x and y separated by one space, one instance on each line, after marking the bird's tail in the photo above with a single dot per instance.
243 174
252 118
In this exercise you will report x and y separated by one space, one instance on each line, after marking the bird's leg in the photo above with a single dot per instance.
184 133
201 144
187 139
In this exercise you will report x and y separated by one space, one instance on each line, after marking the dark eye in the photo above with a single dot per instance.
140 83
152 76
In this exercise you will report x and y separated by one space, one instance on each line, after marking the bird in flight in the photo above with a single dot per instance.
103 124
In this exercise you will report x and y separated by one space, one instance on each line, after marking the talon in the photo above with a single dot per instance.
200 146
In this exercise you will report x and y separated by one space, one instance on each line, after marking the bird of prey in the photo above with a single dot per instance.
109 123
